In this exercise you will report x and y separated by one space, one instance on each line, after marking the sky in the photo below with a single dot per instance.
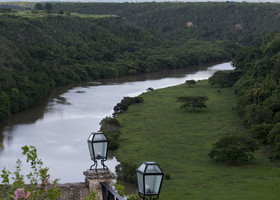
120 1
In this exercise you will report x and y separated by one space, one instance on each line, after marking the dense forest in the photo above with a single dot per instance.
41 50
258 91
44 51
244 23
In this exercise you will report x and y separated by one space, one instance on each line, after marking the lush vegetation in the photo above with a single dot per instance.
258 91
242 22
43 49
39 186
180 141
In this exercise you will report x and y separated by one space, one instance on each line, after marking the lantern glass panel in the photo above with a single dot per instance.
153 169
99 137
90 149
152 184
100 150
142 168
140 182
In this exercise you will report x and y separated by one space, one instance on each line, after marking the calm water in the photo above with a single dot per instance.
59 128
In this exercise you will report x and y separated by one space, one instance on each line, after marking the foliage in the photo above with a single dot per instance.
39 186
126 171
193 102
190 82
38 6
274 135
224 78
233 149
91 196
180 141
219 78
82 48
181 21
110 126
260 132
120 190
48 7
125 102
258 89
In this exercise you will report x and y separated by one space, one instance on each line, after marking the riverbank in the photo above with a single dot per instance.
158 130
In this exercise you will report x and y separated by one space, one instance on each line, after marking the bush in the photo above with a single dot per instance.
233 149
126 171
274 135
125 102
260 132
39 187
190 82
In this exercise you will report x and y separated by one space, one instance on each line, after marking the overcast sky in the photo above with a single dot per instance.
264 1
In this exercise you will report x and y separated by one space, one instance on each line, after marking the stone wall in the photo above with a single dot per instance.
78 191
73 191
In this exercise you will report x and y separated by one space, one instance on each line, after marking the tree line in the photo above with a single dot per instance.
244 23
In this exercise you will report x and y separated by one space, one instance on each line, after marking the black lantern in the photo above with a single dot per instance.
97 144
149 178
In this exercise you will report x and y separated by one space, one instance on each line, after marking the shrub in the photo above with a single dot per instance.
126 171
190 82
274 135
233 149
39 187
260 132
125 102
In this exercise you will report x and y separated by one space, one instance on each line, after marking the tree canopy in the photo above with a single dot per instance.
192 102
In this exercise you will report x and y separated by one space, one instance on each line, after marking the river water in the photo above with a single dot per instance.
59 128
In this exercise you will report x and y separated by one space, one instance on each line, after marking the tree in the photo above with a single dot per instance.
39 6
219 78
193 102
234 149
48 7
190 82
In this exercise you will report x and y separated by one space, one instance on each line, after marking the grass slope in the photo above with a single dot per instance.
158 130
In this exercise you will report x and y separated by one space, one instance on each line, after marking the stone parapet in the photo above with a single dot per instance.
94 178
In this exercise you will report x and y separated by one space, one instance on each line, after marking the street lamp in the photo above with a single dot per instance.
149 178
97 144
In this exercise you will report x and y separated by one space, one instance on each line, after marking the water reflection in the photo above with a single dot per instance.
59 128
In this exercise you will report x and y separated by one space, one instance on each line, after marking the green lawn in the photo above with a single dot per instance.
179 141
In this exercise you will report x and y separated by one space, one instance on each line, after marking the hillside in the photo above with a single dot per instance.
242 22
41 51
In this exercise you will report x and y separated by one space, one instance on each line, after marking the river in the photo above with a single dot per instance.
60 126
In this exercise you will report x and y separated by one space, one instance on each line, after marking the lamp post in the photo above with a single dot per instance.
97 144
149 178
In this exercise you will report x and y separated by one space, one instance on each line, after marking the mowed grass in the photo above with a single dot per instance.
179 141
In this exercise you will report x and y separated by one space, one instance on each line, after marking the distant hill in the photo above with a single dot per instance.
242 22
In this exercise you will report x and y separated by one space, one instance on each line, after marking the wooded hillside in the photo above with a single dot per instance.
40 51
245 23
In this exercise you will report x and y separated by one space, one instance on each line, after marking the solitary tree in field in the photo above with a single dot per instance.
190 82
192 102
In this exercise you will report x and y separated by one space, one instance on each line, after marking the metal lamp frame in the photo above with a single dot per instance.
94 159
144 196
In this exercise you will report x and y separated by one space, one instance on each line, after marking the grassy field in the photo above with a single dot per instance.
42 13
179 141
